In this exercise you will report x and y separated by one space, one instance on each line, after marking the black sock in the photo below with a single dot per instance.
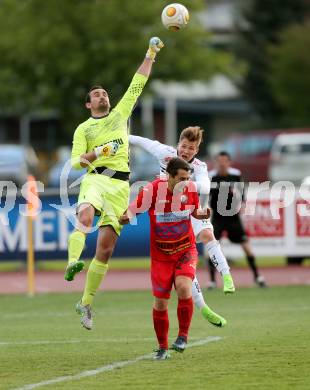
251 261
211 271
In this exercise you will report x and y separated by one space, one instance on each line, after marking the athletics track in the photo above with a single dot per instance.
52 281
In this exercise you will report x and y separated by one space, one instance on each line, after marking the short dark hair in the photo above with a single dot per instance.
224 154
175 164
87 98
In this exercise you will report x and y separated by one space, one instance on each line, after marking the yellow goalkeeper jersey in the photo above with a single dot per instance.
114 127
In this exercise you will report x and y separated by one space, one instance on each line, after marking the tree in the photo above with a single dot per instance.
52 52
290 76
260 24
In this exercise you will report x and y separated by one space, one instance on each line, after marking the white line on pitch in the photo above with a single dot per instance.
32 314
43 342
108 367
77 341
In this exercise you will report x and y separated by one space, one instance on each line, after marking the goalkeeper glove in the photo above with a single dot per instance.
155 45
106 150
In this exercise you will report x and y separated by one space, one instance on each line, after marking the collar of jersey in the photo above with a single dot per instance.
100 117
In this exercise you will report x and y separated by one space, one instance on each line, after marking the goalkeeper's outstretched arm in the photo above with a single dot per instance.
155 45
128 101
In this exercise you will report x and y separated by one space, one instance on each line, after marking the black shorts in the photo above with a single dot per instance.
232 226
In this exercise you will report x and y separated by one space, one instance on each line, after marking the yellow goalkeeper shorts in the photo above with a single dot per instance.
108 196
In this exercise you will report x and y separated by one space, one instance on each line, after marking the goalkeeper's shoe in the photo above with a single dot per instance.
73 268
180 344
161 354
213 317
228 282
86 315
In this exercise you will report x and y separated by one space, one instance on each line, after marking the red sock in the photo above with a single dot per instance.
161 326
185 313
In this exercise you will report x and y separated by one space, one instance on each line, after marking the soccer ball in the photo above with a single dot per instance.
175 16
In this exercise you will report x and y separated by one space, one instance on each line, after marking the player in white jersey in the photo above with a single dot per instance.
187 148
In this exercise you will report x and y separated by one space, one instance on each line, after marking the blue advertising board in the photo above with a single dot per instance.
52 228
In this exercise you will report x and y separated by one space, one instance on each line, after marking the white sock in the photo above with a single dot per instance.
217 257
197 295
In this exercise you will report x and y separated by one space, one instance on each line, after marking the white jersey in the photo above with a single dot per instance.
200 176
164 153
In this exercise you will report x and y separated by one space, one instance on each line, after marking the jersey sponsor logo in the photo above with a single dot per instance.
175 231
171 247
118 141
173 217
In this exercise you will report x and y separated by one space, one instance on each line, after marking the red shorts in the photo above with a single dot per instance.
163 273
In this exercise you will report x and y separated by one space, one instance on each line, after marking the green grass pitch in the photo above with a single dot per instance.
266 343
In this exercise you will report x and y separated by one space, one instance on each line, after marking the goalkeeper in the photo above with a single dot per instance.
101 144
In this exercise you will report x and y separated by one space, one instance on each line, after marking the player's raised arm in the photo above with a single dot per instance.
155 45
156 148
126 104
143 142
